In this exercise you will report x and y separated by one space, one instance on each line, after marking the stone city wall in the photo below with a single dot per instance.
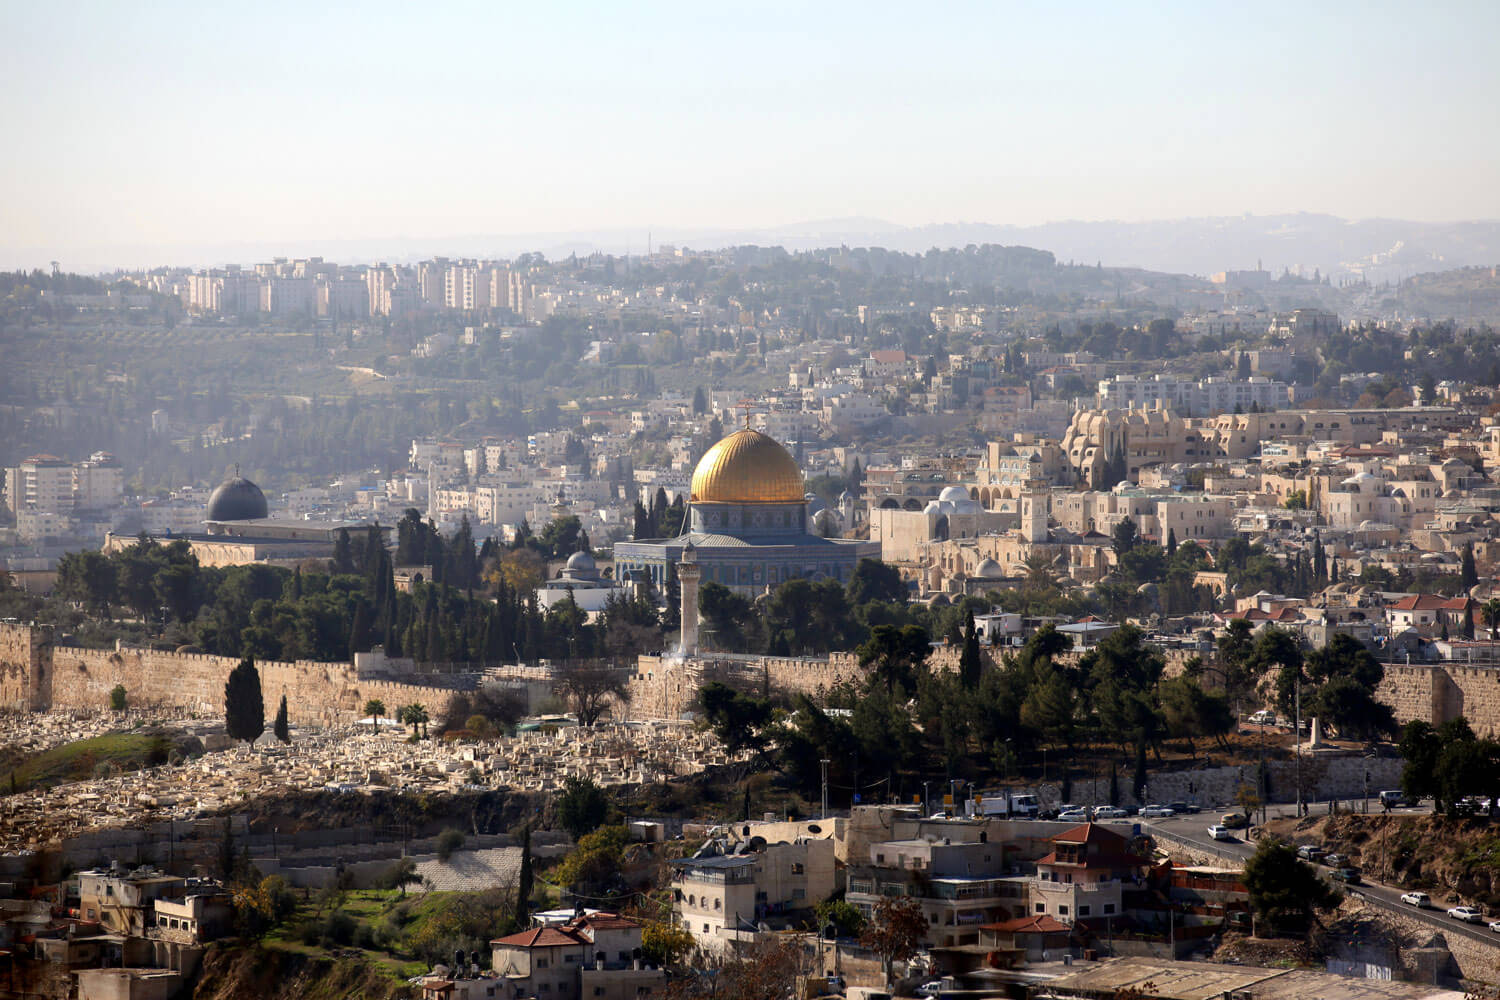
666 687
24 665
1436 693
318 694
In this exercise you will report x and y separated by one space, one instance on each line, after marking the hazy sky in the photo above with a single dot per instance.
175 124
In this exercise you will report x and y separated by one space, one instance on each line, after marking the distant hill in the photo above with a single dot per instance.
1377 249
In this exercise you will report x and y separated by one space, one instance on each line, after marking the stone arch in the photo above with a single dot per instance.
974 493
912 503
940 529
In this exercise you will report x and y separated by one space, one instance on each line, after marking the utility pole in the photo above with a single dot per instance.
824 764
1297 742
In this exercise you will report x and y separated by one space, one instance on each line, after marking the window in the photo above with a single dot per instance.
1083 911
541 963
717 905
1062 911
1041 907
1109 908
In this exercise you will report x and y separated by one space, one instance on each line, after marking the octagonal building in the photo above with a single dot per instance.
748 524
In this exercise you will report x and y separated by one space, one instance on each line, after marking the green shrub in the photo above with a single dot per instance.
448 841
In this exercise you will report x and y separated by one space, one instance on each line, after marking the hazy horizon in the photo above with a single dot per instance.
148 131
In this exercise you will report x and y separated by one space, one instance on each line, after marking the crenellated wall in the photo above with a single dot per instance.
1436 693
665 687
36 674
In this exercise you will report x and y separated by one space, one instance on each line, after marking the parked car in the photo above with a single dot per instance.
1310 852
1182 808
1335 860
1417 899
1158 812
1495 926
1467 914
1348 876
1265 717
1220 832
1234 821
931 989
1110 812
1391 798
1074 816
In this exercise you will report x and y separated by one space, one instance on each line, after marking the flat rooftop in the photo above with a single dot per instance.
1170 980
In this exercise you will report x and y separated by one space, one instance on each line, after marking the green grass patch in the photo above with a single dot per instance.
124 751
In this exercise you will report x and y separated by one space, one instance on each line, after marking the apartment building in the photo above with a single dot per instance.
961 884
1085 875
592 955
722 898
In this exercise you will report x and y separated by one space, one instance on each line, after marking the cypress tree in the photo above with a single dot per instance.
1467 574
524 881
359 629
1171 542
343 553
228 858
969 663
282 727
296 583
244 710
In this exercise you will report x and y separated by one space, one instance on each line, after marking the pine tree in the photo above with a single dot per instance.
282 728
1468 575
244 710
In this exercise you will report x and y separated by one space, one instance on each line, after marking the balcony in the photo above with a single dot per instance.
1047 885
719 876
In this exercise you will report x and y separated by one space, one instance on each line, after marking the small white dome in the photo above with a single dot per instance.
581 562
953 493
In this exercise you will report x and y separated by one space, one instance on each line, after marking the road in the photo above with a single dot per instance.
1192 829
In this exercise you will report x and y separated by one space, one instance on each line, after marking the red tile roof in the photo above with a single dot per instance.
1430 602
1036 923
542 937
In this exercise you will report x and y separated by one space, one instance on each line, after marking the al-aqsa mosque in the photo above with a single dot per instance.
748 526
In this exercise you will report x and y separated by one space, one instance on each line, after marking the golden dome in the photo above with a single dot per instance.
747 467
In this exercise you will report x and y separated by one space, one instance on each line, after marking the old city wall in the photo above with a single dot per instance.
25 665
666 687
317 694
1439 693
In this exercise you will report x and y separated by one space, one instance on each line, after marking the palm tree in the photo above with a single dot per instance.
375 708
415 715
1039 571
1491 612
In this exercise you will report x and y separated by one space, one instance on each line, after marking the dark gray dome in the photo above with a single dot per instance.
236 499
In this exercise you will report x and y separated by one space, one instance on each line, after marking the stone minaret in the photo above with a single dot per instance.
1034 503
688 575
